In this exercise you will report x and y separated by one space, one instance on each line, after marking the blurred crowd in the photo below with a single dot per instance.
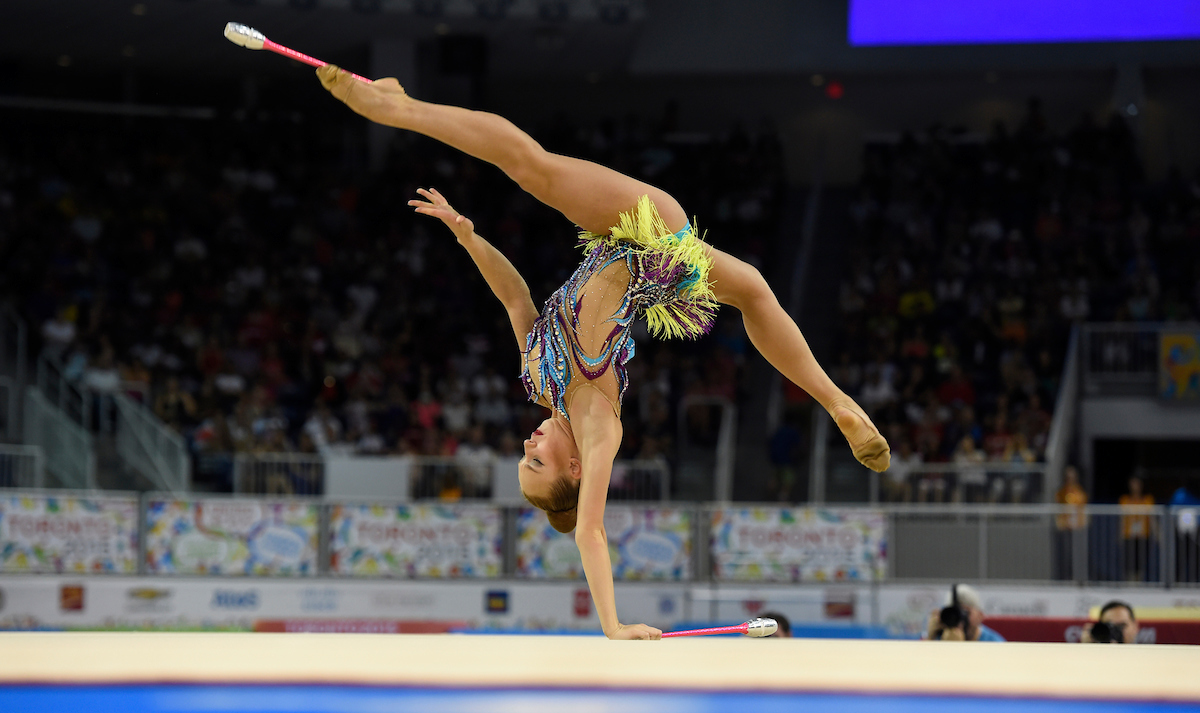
973 258
261 291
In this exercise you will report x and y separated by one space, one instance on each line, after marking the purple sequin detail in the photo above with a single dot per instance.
650 283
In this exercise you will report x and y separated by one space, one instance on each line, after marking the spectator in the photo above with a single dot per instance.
174 406
476 458
878 391
59 331
1184 505
897 483
1138 529
323 428
957 389
427 410
1069 524
972 477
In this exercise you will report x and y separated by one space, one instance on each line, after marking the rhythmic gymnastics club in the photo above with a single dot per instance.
757 628
252 39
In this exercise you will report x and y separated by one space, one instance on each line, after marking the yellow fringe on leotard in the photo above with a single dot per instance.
681 260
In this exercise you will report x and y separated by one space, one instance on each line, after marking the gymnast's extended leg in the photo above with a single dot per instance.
588 194
777 337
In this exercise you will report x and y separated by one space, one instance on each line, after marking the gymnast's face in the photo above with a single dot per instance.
550 454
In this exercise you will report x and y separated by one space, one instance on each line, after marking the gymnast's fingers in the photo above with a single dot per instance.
436 198
336 80
433 196
327 75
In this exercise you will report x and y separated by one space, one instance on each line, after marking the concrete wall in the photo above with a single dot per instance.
1133 418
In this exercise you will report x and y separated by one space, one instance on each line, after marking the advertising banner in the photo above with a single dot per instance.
226 536
1070 630
1179 366
644 544
50 533
448 541
798 545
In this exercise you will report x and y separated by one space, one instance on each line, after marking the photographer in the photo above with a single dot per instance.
1117 625
961 619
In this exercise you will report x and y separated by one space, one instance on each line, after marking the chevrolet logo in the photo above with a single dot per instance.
148 594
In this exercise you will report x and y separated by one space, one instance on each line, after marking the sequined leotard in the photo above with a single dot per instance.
582 337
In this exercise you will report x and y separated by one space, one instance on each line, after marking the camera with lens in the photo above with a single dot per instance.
953 616
1105 633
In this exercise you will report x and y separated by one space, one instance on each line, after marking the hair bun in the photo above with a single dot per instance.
563 521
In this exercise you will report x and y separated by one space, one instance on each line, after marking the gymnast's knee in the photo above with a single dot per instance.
747 290
529 165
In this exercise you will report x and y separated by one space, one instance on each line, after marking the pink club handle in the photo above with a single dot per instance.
301 57
739 629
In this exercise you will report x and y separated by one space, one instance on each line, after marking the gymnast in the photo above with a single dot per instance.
641 257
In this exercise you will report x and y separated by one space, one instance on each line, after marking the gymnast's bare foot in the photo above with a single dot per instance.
869 446
383 101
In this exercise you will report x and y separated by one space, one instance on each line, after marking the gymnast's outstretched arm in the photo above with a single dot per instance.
500 275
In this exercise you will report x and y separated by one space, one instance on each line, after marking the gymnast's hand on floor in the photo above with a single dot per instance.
438 207
869 446
380 101
635 632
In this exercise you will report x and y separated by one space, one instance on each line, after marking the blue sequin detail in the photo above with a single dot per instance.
554 331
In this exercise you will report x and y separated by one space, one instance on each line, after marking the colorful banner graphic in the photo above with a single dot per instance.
451 541
644 544
1179 366
50 533
227 536
798 545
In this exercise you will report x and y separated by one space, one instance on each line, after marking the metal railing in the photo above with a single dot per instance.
73 399
984 482
148 446
22 466
1036 543
279 474
70 455
430 477
1066 409
1123 359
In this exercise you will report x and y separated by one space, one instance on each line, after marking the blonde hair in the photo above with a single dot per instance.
560 506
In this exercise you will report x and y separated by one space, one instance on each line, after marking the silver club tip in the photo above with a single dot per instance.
761 627
244 35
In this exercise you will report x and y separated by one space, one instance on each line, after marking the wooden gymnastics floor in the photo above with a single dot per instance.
37 669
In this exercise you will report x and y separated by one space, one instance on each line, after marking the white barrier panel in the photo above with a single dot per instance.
798 544
40 532
225 604
228 536
644 544
384 477
416 540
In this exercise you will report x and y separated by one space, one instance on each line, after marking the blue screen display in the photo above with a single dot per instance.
936 22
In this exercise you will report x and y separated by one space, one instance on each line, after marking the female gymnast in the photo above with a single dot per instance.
641 257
